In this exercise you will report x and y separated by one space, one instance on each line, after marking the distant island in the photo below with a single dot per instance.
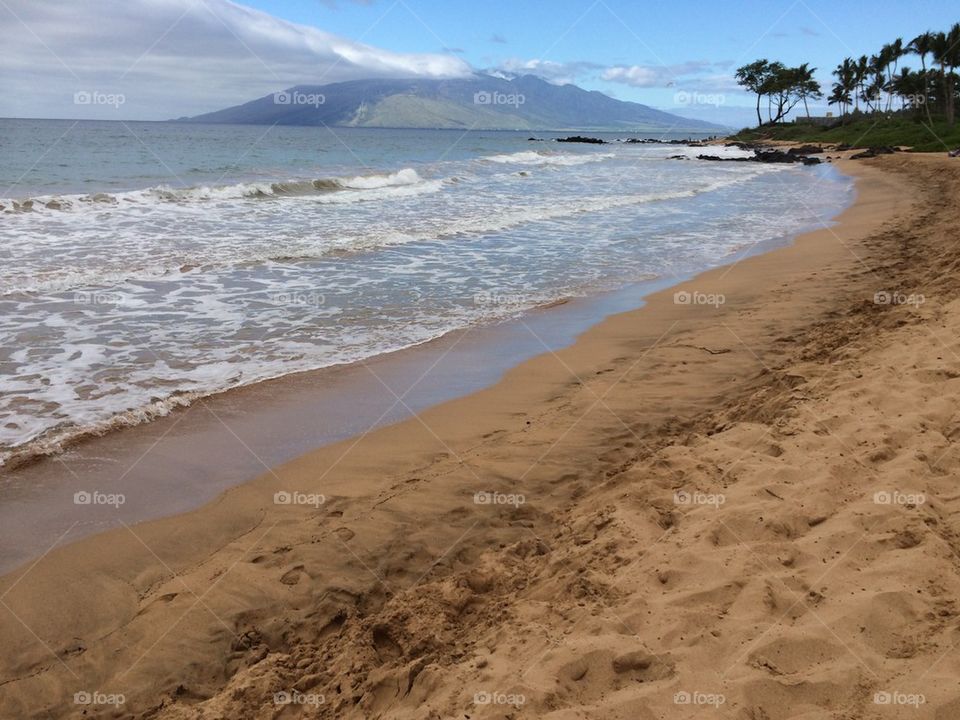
479 102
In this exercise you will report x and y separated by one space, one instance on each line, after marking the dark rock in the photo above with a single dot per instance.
765 156
805 150
582 139
873 152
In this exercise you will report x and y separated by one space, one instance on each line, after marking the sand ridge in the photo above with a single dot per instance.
741 509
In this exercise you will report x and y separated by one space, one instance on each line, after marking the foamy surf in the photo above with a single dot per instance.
368 184
123 306
530 157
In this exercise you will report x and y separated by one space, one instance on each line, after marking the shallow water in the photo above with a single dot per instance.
143 265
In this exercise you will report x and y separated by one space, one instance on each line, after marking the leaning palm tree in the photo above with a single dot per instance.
922 45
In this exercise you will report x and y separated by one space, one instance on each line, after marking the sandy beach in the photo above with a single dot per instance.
737 501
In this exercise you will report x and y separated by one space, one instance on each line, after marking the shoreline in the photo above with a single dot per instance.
399 541
184 459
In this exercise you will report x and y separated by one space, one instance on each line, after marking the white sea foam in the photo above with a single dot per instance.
530 157
124 306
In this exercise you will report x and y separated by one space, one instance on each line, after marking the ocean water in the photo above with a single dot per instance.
143 265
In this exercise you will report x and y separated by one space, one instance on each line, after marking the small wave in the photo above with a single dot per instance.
405 178
62 280
529 157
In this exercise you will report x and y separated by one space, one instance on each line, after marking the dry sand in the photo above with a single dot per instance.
699 523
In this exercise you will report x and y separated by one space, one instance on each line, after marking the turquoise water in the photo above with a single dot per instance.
143 265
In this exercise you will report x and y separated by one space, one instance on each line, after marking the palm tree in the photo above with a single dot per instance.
922 45
806 86
909 86
946 54
845 87
892 54
863 64
953 60
874 70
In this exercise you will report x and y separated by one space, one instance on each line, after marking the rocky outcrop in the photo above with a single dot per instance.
768 156
874 152
582 139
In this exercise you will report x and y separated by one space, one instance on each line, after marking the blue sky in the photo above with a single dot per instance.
179 57
696 43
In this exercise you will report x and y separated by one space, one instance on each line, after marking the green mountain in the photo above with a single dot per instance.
480 102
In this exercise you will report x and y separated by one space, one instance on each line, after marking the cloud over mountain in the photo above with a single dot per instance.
183 56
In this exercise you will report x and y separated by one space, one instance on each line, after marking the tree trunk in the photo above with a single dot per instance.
951 101
759 118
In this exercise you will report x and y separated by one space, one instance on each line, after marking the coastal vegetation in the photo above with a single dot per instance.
881 100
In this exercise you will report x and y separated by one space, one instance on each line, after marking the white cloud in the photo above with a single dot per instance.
560 73
649 76
175 57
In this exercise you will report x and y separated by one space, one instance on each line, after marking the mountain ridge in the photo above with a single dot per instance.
478 102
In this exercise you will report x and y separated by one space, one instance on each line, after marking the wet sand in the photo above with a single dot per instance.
743 505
